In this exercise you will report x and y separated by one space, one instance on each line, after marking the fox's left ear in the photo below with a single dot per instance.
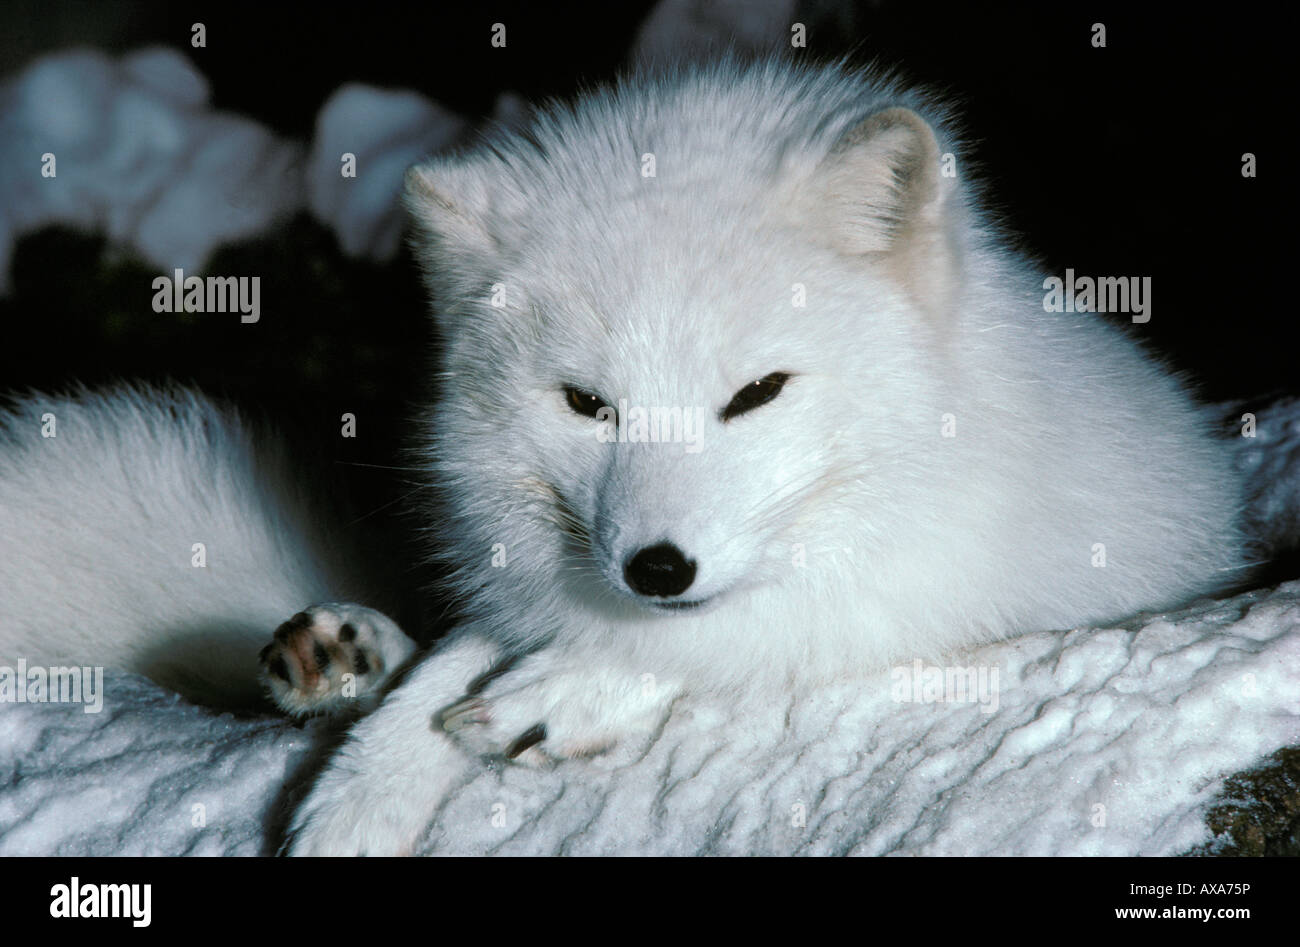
881 191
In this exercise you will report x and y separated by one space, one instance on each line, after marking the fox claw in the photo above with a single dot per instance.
463 713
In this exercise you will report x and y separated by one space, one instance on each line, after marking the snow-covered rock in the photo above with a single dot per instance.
1269 456
1100 741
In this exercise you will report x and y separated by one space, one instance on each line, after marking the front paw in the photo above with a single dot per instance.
545 708
332 657
385 783
349 815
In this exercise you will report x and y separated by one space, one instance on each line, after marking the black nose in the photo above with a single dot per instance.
659 570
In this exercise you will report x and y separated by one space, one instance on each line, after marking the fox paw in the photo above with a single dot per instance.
352 817
541 710
328 658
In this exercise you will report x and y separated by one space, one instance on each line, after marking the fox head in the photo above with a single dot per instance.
686 326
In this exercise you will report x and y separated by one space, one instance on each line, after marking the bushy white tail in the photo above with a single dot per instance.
147 529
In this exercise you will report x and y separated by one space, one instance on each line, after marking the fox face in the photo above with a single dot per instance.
661 455
648 413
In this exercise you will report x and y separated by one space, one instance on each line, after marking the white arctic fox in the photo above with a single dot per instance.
740 391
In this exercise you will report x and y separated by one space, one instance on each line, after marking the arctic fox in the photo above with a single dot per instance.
741 391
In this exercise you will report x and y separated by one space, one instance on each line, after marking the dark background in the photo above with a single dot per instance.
1118 161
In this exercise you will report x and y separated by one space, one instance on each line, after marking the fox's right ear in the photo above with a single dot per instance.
450 208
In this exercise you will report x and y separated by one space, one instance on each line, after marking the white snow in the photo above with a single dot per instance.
126 781
385 132
139 156
143 158
1103 741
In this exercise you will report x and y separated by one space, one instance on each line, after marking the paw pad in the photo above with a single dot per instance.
322 659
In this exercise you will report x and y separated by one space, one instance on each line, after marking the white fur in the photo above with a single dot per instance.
98 525
834 528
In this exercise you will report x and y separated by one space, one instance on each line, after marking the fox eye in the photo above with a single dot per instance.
582 401
755 394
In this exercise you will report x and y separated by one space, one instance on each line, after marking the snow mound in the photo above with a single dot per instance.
147 775
385 133
1093 742
141 156
137 154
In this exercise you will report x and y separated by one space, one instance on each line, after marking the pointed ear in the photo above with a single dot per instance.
880 191
880 181
450 208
